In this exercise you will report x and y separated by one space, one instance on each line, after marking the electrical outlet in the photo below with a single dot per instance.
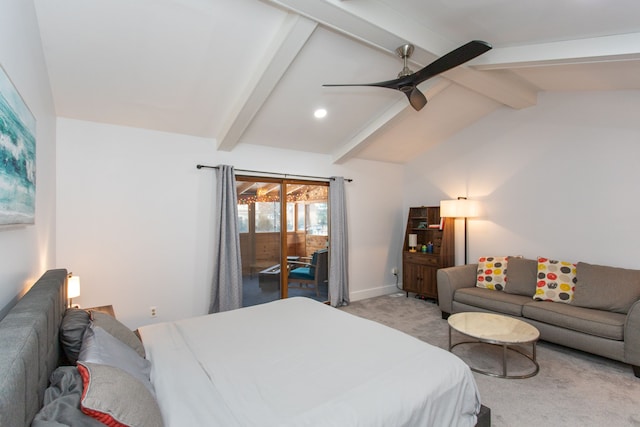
153 311
394 271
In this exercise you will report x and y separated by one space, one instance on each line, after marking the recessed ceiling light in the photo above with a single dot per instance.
320 113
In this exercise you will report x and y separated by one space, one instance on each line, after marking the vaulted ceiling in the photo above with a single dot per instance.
251 71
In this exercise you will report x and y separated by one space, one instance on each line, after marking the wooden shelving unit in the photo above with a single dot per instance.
419 268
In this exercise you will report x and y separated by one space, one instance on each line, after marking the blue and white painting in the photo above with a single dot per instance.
17 157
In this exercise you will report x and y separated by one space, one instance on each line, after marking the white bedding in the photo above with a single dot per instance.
297 362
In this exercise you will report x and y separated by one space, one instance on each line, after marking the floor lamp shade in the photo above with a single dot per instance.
459 208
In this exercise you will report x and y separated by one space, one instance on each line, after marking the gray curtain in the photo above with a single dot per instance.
226 289
339 254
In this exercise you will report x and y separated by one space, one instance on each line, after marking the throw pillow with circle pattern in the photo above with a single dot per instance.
556 281
492 272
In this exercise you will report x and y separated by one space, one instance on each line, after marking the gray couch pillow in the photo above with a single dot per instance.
606 288
521 276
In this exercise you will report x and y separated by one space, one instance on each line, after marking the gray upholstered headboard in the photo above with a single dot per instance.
29 348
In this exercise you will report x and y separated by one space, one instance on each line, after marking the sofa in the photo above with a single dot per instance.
592 308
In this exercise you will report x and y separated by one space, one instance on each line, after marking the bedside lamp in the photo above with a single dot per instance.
460 208
73 288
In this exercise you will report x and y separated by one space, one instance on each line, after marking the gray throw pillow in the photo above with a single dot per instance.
118 330
606 288
100 347
521 276
112 395
74 322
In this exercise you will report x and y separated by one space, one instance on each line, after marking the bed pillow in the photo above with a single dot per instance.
101 347
118 330
72 327
115 398
606 288
556 281
521 279
492 273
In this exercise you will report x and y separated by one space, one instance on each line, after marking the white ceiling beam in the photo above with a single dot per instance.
287 44
622 47
360 141
380 26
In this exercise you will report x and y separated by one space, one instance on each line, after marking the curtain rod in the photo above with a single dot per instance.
284 175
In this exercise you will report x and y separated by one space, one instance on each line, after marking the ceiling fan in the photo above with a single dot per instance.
408 81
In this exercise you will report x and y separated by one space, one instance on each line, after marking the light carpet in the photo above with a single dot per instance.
573 388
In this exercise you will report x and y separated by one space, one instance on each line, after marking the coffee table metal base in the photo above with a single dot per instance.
505 348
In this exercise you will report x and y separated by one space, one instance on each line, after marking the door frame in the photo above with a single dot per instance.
284 182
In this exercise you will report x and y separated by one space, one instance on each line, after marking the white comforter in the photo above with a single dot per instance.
297 362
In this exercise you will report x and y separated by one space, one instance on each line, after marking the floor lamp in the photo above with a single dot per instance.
459 208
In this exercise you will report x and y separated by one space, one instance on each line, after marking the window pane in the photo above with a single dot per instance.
243 218
290 216
267 217
317 223
300 217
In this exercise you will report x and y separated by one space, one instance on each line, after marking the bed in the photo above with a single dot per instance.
292 362
29 348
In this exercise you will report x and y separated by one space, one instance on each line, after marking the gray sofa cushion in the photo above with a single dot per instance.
521 276
606 288
594 322
500 302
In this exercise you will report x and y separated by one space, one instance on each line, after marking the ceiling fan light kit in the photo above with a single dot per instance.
408 81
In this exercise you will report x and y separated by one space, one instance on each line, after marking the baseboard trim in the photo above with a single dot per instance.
373 292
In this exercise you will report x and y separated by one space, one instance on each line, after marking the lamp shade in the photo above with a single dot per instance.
73 287
413 240
459 208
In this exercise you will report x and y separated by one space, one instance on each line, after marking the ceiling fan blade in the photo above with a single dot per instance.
451 60
416 99
391 84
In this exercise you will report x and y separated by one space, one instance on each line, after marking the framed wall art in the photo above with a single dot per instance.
17 156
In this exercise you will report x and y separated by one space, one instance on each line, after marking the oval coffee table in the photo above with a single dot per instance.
497 330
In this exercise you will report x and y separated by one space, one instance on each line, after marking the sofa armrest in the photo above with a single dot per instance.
452 278
632 335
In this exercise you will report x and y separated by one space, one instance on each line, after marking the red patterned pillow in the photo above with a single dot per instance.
556 281
492 273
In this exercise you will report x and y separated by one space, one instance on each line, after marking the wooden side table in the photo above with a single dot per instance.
108 309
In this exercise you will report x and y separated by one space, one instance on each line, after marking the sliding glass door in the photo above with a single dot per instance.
284 238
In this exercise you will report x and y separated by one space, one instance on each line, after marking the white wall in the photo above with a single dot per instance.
27 251
134 216
559 179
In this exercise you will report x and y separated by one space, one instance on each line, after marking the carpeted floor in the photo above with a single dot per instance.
572 388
